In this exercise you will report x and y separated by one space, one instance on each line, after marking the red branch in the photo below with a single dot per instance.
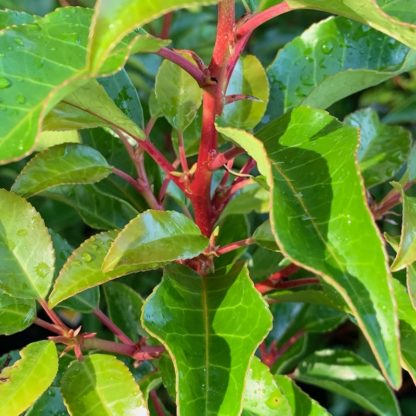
107 322
270 283
233 246
222 158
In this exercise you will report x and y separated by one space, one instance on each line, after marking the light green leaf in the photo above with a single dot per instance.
124 307
83 269
49 61
153 239
249 78
383 149
88 107
113 20
262 397
407 316
345 373
411 283
300 403
332 60
316 218
67 163
264 237
178 95
25 381
26 252
101 385
53 138
406 253
211 327
13 17
372 12
97 208
15 314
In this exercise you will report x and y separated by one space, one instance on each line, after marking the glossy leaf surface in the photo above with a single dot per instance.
262 396
332 60
383 149
264 237
101 385
83 268
25 381
211 327
122 17
300 403
64 164
178 95
12 17
153 239
26 252
15 314
406 253
316 218
370 12
124 306
88 107
346 373
249 78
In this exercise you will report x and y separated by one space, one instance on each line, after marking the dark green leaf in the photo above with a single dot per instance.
317 218
349 375
264 237
383 149
51 403
15 314
124 306
153 239
26 252
101 385
25 381
67 163
332 60
211 327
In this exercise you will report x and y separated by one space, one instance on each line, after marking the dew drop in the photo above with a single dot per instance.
18 41
86 257
327 47
21 99
22 232
4 83
42 270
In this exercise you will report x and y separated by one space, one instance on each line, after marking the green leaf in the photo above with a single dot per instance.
15 314
50 404
345 373
371 12
53 138
83 269
383 149
249 78
124 307
12 17
178 95
26 252
407 316
101 385
88 107
316 218
411 283
98 208
300 403
262 396
264 237
25 381
406 253
54 53
67 163
153 239
332 60
211 327
113 20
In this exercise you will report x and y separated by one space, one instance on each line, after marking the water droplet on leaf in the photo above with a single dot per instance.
42 270
4 83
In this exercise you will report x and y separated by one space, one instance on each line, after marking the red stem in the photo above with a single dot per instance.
290 284
392 199
182 153
167 23
234 246
199 76
107 322
222 158
46 325
156 403
248 25
109 346
52 315
270 283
